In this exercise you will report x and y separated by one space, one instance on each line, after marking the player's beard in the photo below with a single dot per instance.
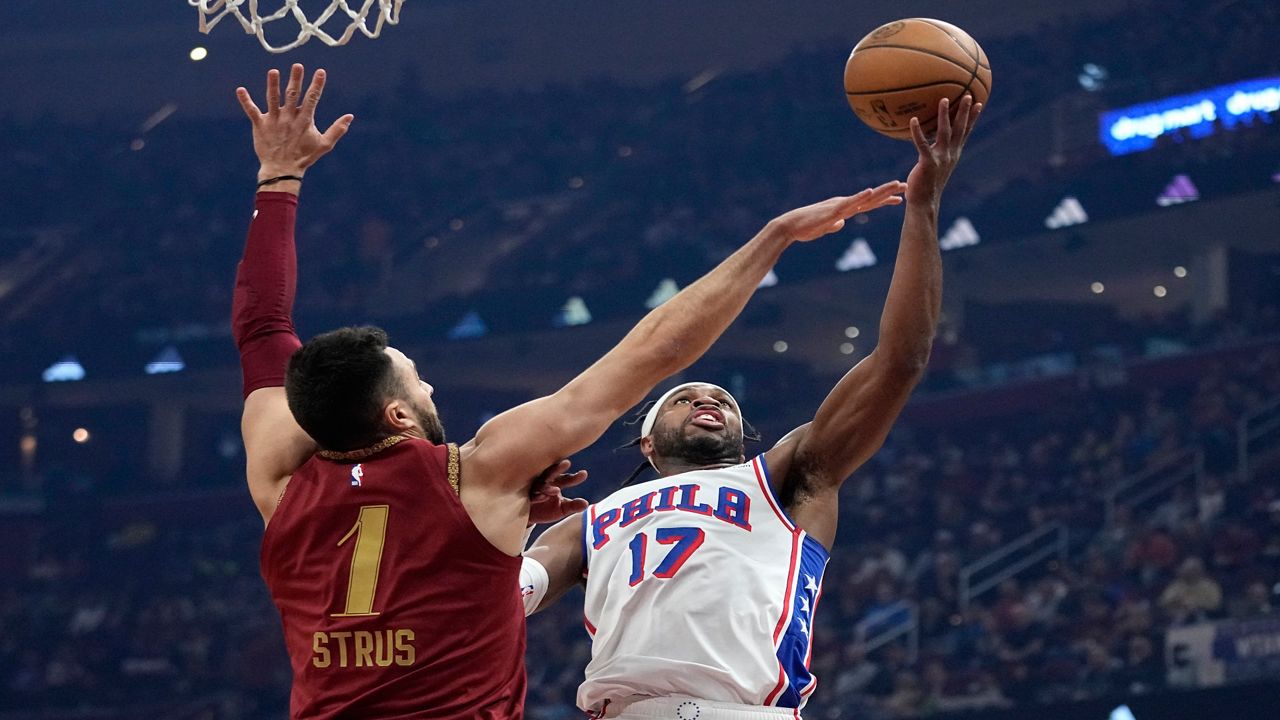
429 421
699 449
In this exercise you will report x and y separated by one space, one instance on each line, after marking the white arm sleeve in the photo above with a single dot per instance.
533 584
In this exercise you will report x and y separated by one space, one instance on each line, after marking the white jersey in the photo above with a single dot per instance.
699 586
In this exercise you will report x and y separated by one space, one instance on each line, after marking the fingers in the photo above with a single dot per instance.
273 91
879 196
247 104
551 486
553 471
918 138
943 137
338 129
294 90
544 494
889 188
568 480
971 121
962 119
313 93
573 505
849 205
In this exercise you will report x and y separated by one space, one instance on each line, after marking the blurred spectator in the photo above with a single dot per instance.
1256 602
1192 595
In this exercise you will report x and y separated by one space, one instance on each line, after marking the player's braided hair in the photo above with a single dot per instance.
749 434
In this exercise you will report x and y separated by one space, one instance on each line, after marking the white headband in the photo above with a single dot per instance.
647 426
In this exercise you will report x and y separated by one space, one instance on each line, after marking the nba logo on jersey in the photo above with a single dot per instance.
357 472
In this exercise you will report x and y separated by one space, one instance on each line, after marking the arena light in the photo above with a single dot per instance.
857 256
1135 128
769 280
80 435
666 290
168 361
1068 212
573 313
68 369
1179 190
470 326
701 80
1092 77
158 117
1122 713
960 234
198 53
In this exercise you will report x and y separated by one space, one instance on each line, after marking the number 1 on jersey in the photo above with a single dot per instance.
362 583
686 540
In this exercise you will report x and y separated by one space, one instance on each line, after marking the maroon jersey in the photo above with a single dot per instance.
394 605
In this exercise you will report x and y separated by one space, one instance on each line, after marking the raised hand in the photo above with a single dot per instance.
285 137
814 221
548 503
938 160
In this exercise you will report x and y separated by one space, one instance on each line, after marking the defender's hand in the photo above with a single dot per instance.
814 221
285 137
938 160
548 504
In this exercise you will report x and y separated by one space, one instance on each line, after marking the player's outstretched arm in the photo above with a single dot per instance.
286 142
512 447
854 419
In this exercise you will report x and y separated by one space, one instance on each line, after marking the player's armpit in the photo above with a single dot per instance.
559 551
275 446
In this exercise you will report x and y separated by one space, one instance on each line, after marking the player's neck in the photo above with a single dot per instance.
677 466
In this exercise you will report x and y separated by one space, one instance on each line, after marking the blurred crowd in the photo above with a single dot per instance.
163 605
599 190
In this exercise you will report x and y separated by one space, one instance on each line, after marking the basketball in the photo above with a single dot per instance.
904 68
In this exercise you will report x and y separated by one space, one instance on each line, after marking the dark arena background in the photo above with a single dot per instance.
1078 515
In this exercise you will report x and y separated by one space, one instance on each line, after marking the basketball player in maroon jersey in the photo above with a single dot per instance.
390 555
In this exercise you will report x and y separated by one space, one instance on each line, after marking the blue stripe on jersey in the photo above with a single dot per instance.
585 555
794 649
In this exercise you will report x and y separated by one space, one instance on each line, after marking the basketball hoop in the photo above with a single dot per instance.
387 12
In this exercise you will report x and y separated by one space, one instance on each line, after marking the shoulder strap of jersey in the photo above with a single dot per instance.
454 469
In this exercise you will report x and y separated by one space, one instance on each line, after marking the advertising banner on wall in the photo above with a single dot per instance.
1223 653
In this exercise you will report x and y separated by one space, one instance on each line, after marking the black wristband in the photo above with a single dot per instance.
274 180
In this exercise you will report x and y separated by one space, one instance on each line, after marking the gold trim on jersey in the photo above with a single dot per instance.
362 453
455 470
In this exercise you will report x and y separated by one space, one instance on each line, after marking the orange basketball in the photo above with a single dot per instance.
903 68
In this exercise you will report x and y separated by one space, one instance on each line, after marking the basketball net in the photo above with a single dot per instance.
213 11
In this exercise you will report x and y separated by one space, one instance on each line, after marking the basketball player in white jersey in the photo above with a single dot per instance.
701 585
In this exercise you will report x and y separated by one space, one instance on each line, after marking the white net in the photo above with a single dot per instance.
380 12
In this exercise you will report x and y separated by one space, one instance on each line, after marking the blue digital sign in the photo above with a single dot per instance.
1198 114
